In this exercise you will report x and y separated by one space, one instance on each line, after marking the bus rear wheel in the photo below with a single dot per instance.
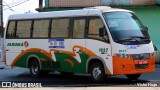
97 72
133 76
34 68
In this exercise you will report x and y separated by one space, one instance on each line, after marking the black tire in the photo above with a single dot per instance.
97 72
34 68
133 76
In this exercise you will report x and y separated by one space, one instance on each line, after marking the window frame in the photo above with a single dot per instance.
85 27
32 29
13 28
16 28
87 33
69 27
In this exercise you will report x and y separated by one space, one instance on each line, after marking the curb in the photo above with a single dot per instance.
1 66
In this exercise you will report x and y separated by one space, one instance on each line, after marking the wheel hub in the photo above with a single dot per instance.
34 70
96 72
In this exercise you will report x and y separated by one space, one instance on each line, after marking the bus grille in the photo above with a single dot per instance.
141 66
144 56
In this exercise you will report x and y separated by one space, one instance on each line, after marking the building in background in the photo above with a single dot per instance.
75 4
1 18
1 31
147 10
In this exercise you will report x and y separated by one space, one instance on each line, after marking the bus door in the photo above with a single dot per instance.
98 42
78 25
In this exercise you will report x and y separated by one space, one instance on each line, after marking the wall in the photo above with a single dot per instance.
87 3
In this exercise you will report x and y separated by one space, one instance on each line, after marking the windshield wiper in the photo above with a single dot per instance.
126 39
140 37
133 39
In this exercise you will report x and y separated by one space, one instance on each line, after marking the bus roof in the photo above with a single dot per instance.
67 13
107 9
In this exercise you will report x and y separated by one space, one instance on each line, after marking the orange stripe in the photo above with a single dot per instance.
85 50
70 61
42 59
31 50
16 59
40 51
62 51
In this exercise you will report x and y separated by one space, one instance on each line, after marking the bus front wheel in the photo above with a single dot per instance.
133 76
97 72
34 68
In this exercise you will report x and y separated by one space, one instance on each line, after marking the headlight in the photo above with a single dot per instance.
123 55
153 54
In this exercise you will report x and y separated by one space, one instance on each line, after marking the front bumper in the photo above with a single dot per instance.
130 66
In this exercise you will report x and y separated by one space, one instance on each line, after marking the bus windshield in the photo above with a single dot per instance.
126 28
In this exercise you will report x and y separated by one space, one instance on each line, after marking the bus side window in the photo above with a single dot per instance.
23 29
60 28
40 28
11 29
79 28
94 26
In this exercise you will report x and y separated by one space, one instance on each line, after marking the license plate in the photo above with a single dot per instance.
142 62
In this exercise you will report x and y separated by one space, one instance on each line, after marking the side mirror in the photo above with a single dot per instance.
101 32
155 48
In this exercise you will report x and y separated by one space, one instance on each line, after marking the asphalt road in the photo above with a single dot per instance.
19 75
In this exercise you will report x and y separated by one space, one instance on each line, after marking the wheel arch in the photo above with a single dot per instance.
94 59
32 57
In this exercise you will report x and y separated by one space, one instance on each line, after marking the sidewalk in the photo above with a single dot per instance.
2 65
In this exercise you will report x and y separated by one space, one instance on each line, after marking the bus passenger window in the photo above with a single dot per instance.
23 29
40 28
60 28
79 28
94 27
11 29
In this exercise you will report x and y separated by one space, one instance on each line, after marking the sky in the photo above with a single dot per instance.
18 7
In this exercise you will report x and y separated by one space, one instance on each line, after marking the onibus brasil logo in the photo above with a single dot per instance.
20 44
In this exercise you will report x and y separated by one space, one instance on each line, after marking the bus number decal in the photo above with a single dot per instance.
122 50
103 50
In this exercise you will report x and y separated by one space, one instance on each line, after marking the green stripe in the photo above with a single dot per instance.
60 57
